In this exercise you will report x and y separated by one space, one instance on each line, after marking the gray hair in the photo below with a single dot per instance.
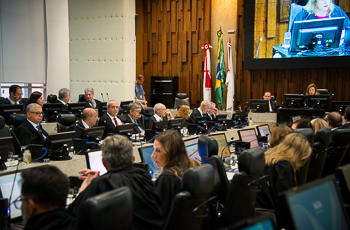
32 106
89 90
117 151
62 93
204 103
132 107
157 107
109 102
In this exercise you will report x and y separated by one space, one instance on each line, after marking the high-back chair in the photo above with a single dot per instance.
81 98
245 185
323 138
110 210
189 209
51 98
181 99
147 113
207 147
4 129
336 151
64 121
301 174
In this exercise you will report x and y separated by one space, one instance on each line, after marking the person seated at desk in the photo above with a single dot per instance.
160 114
110 119
36 97
312 90
171 156
43 199
89 119
273 105
15 97
334 120
317 9
90 101
347 118
200 112
118 158
64 97
30 130
183 112
212 111
278 134
281 163
133 116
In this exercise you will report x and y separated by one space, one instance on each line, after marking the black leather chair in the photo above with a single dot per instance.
181 99
323 138
207 147
245 185
301 174
25 100
221 182
336 151
4 129
190 207
64 121
16 119
82 98
51 98
110 210
147 113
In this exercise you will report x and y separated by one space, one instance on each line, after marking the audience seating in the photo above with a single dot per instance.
221 182
245 185
323 138
51 98
181 99
207 147
189 209
64 121
301 174
110 210
336 151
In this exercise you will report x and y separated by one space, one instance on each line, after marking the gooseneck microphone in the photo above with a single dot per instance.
102 97
257 50
107 97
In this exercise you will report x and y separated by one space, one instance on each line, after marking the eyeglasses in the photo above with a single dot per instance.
18 202
38 113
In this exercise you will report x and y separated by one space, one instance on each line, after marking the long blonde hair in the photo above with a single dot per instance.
295 149
311 5
318 124
278 134
183 112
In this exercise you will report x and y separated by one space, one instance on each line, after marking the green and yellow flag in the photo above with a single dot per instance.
221 70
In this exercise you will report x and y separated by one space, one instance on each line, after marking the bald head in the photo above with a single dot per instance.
334 120
90 116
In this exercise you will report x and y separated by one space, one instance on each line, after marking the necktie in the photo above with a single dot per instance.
115 121
39 129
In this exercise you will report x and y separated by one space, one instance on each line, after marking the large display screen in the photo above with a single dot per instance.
288 34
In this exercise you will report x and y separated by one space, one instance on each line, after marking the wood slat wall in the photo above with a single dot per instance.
168 40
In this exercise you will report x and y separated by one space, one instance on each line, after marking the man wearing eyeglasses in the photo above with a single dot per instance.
30 130
43 198
110 119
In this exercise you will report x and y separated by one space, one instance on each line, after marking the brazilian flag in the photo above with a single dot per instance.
220 70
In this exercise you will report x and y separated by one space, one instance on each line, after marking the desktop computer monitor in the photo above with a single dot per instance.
145 153
263 131
94 133
340 106
318 101
316 205
324 32
260 105
94 161
294 100
10 188
249 135
224 150
191 145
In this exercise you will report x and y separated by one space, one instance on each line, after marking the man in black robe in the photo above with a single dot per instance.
43 196
117 157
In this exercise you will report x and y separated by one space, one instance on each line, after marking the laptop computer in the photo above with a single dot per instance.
264 131
249 135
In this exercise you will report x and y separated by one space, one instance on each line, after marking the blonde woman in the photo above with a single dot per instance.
278 134
281 163
318 124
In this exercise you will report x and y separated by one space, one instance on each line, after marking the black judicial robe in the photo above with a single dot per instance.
57 219
147 204
281 178
168 185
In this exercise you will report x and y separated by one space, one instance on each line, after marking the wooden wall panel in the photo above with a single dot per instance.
170 40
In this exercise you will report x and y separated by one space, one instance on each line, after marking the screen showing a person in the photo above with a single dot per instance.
6 183
249 135
318 207
146 153
222 143
192 148
264 130
95 162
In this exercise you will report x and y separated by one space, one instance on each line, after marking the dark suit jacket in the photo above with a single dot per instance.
195 113
7 102
107 122
78 128
87 105
274 106
141 121
27 134
345 126
64 107
153 120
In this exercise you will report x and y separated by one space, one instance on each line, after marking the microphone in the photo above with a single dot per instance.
102 97
19 143
107 97
257 50
308 15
